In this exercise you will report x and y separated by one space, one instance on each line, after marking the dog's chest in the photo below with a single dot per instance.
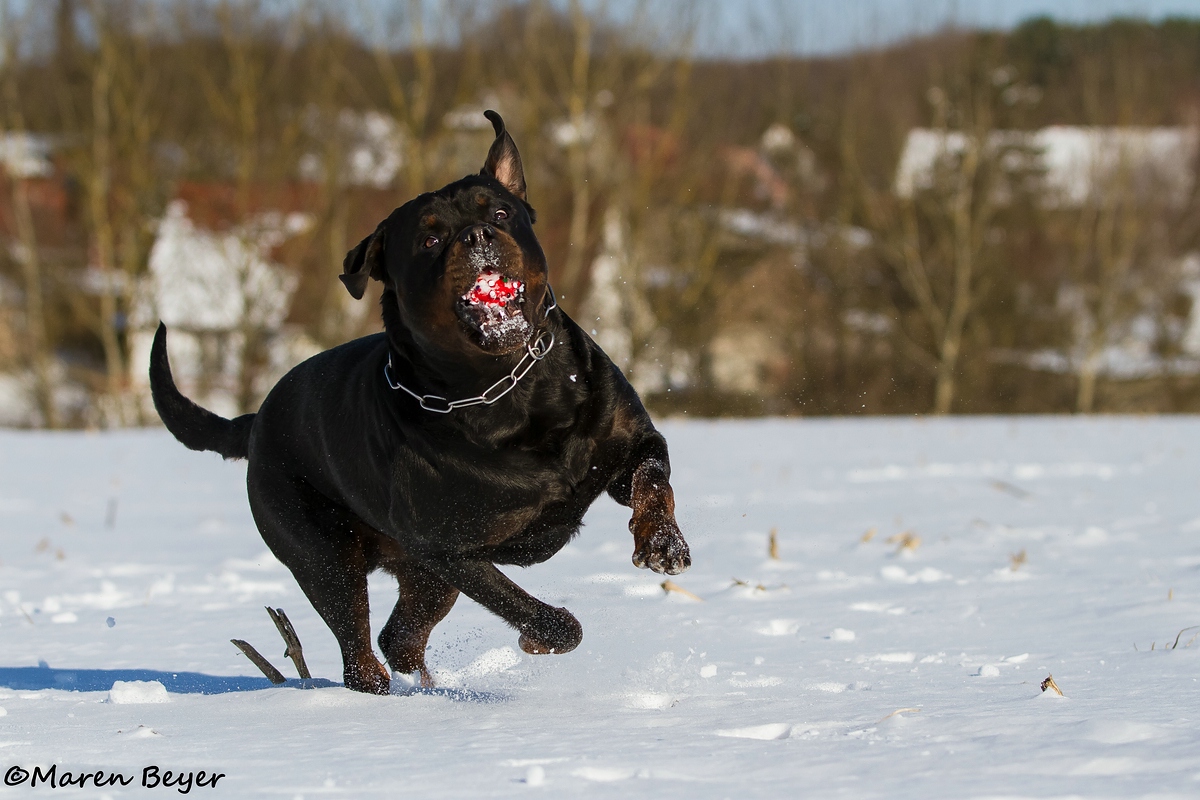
489 496
524 489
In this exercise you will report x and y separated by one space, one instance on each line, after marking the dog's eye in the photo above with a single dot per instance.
431 241
501 214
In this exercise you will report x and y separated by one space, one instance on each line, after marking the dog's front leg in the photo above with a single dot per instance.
657 541
544 628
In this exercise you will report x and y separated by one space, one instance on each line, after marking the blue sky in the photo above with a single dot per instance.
756 27
749 28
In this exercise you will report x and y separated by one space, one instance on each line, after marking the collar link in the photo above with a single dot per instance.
535 351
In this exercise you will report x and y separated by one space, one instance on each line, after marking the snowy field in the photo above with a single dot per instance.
903 664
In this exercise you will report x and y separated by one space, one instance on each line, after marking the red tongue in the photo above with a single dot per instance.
491 289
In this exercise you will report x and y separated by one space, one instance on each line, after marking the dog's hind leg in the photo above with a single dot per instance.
425 600
326 550
544 628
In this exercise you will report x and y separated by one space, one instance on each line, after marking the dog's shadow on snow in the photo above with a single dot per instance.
457 695
101 680
44 676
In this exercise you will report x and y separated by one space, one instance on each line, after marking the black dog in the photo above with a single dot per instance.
475 431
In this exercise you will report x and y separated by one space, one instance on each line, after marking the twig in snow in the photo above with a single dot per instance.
773 545
1050 684
758 587
869 535
905 541
1181 633
291 641
1008 488
273 675
45 544
1017 560
900 711
671 586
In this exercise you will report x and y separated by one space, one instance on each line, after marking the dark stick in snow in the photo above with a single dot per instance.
292 649
273 675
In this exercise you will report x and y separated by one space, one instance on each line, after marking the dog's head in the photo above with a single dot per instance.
461 264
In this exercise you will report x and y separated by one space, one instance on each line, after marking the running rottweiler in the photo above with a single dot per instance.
475 431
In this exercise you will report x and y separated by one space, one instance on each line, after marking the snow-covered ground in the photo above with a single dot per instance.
124 557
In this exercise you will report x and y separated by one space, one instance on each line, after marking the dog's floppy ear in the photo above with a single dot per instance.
503 161
363 262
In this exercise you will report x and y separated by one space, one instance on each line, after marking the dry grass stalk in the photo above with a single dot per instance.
1017 560
773 545
1050 684
1170 595
900 711
273 675
670 586
45 544
758 587
905 541
1008 488
291 641
869 535
1181 633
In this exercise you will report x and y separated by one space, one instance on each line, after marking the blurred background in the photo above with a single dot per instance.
787 208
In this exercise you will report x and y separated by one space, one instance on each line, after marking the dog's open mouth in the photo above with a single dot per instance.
493 307
493 289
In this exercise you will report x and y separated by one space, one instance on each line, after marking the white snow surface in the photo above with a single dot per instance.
131 692
845 667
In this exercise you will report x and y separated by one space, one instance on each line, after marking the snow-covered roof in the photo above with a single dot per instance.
372 143
1077 161
567 132
204 280
25 155
469 117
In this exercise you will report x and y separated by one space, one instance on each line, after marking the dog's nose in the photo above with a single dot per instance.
478 235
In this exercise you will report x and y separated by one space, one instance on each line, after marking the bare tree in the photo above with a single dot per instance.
1107 234
37 346
1120 247
244 95
576 94
409 101
936 237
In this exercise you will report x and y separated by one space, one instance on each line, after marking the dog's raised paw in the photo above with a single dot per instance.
553 630
664 551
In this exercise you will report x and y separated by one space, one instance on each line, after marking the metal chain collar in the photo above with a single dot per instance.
535 351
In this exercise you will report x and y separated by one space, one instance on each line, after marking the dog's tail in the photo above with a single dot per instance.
195 427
